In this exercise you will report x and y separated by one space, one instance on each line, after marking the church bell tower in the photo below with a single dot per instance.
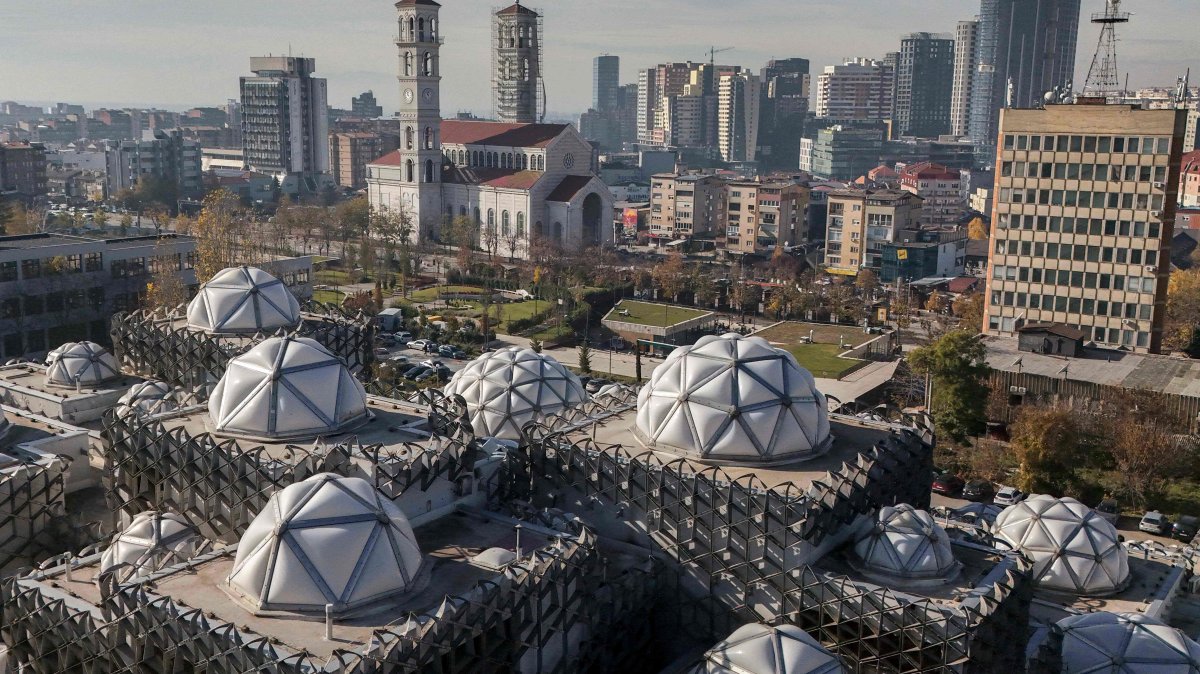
419 42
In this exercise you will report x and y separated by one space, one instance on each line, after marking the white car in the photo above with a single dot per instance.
1007 496
1155 522
418 344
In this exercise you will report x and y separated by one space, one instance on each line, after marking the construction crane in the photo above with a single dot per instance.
712 54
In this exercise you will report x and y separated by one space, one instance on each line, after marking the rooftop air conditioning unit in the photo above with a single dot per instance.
1150 269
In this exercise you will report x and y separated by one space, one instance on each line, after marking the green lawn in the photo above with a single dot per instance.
328 296
431 294
822 360
791 332
333 277
645 313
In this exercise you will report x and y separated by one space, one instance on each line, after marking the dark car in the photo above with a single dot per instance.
980 491
432 347
947 484
1185 528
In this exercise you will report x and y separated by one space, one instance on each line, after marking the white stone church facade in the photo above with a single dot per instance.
517 181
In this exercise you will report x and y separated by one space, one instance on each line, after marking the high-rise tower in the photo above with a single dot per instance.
924 80
966 63
606 70
516 63
420 114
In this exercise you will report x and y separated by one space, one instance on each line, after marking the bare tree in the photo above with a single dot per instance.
165 290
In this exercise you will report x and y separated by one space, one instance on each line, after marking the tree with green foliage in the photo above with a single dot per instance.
956 365
585 358
1048 443
536 345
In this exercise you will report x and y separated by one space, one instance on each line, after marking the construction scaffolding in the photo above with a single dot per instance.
518 91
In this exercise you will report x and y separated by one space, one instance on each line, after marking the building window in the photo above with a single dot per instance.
521 225
428 170
428 138
8 271
491 219
408 64
31 269
504 225
428 65
408 138
93 262
409 170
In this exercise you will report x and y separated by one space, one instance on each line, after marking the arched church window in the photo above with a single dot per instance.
408 138
504 224
428 64
558 232
429 138
428 170
520 224
412 30
491 221
408 63
477 215
421 30
409 170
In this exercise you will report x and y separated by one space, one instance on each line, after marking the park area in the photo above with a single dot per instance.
820 355
645 313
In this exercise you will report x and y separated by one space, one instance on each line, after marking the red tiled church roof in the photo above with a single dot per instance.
492 177
568 188
471 132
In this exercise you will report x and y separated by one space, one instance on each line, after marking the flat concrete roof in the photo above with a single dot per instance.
33 377
851 437
394 422
1163 374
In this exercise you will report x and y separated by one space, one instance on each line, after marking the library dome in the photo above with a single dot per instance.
1124 643
762 649
147 398
906 543
81 363
243 300
153 541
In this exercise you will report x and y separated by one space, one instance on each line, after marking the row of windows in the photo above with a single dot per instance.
1079 252
524 162
33 268
1074 305
410 171
1068 225
1102 335
1076 279
1082 199
141 266
1073 143
1106 172
416 29
36 305
428 64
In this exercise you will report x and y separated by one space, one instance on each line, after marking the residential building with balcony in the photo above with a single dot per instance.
683 206
940 190
860 222
762 215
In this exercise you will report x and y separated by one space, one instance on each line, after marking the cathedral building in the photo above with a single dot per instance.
517 181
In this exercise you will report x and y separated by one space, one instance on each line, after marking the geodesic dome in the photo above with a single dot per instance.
1072 548
284 388
1125 643
243 300
507 388
147 398
153 541
762 649
81 363
906 543
326 540
733 399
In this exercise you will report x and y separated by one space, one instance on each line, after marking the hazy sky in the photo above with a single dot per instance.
177 54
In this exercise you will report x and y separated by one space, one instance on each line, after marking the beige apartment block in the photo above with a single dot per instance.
762 215
860 222
1083 216
684 205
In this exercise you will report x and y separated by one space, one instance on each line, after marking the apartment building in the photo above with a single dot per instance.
966 62
285 121
1083 216
737 117
858 89
1189 180
940 190
859 222
762 215
349 154
844 153
682 206
22 171
162 155
924 83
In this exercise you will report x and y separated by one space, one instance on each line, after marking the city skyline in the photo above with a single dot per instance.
354 51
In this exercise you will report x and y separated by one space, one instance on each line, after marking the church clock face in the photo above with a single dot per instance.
568 160
427 95
408 95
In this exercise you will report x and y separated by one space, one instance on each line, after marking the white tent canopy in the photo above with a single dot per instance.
734 399
906 543
286 388
243 300
507 388
1072 548
762 649
81 363
326 540
1125 643
153 541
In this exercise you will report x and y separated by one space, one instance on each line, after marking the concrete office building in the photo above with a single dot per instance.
163 155
859 223
924 82
845 153
737 117
1082 220
784 87
349 154
22 171
365 105
966 54
517 64
1189 179
858 89
682 206
1030 43
285 125
57 288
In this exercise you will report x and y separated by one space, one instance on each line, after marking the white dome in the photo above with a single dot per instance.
326 540
243 300
147 398
1125 643
286 387
734 399
1072 548
906 543
762 649
153 541
508 388
83 363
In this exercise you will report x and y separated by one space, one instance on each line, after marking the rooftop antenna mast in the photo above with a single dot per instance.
1102 77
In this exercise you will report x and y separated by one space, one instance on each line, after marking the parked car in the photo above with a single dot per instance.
1186 528
1155 522
418 372
380 351
451 351
398 361
432 347
948 484
402 336
386 339
594 385
418 344
980 491
1007 496
1109 510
